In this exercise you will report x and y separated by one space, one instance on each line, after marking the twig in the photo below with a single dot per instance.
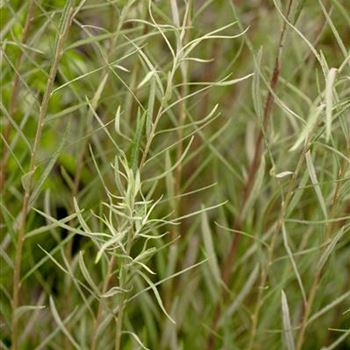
123 278
228 264
175 230
280 222
99 311
317 277
76 183
29 181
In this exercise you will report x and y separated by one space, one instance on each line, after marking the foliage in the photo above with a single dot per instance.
175 174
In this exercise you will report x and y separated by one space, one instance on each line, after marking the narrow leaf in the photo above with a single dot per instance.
209 247
287 327
61 325
329 100
313 177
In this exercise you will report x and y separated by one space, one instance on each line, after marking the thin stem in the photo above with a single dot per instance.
169 288
79 169
264 273
99 311
227 266
317 277
25 205
95 103
119 321
123 277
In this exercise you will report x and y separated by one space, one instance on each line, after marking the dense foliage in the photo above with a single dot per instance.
175 174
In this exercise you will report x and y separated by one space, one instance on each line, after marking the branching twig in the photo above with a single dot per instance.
228 263
29 180
317 277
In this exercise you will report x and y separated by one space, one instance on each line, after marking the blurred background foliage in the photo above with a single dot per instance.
114 76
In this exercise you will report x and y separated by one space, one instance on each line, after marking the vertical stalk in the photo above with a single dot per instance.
25 205
317 277
182 41
79 169
228 263
99 311
119 323
182 112
264 273
122 281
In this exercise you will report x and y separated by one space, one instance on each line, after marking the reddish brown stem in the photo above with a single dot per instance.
228 263
319 272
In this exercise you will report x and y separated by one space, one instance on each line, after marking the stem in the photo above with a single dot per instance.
25 205
228 264
122 282
95 102
169 287
99 311
318 274
80 166
118 334
264 273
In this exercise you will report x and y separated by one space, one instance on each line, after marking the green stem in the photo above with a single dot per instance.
25 205
122 282
99 311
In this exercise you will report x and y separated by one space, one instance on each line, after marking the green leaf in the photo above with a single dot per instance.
136 143
27 180
287 326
